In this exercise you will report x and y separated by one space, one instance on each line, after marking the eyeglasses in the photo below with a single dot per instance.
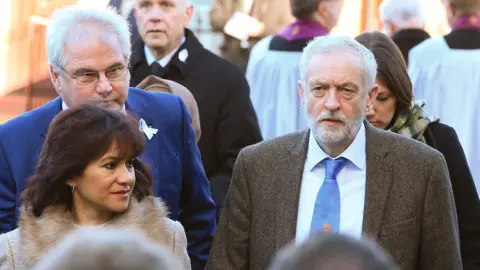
90 78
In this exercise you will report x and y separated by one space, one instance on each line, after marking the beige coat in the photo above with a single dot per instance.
24 247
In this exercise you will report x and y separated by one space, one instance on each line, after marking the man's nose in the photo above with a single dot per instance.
104 86
332 103
156 14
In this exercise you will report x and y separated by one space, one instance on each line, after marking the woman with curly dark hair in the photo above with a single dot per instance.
89 175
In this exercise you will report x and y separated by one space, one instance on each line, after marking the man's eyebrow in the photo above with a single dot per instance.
348 84
117 64
89 70
84 70
316 81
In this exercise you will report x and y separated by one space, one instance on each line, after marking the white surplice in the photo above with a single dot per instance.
273 77
449 82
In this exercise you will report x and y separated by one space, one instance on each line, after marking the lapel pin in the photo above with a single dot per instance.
183 55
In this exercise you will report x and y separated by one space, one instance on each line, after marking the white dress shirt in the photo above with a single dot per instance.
165 60
351 183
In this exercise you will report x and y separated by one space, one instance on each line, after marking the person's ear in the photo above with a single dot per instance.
188 14
301 92
55 78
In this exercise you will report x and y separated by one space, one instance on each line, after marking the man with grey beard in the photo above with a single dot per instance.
341 175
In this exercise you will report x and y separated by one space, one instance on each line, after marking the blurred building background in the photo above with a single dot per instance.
24 78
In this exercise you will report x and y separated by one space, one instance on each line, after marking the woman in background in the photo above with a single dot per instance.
89 176
394 110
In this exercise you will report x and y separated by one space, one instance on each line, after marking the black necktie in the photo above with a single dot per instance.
157 69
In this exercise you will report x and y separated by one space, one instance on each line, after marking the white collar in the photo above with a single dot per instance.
355 152
65 107
165 60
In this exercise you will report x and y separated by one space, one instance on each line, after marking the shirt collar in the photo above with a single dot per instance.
165 60
355 153
65 107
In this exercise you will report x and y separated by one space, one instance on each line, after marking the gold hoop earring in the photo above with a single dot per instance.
73 188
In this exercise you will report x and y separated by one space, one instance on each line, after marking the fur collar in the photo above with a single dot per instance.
38 235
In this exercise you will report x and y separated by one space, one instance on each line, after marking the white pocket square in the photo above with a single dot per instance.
149 131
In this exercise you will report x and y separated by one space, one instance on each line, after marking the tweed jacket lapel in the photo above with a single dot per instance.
288 174
379 178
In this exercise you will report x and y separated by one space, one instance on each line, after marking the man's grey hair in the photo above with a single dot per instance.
108 249
331 252
78 23
329 44
402 13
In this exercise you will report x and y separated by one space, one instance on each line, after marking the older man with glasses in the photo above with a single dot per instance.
89 52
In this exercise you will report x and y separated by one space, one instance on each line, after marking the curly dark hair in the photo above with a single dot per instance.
75 138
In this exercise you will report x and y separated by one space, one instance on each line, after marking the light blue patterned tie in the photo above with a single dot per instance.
326 214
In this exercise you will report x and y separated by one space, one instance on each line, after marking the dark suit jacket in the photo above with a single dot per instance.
409 205
227 119
444 139
407 39
172 154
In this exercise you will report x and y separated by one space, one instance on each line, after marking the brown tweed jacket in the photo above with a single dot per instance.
409 206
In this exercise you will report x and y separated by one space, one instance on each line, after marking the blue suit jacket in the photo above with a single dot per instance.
172 154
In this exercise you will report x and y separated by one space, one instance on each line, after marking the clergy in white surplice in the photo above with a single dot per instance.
445 72
273 68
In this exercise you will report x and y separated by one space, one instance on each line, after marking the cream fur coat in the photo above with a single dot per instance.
24 247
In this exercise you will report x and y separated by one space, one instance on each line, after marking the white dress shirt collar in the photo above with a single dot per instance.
165 60
355 153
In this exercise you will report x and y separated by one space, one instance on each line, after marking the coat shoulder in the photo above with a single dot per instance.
10 251
438 129
168 105
276 146
176 229
402 146
31 121
149 97
179 242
